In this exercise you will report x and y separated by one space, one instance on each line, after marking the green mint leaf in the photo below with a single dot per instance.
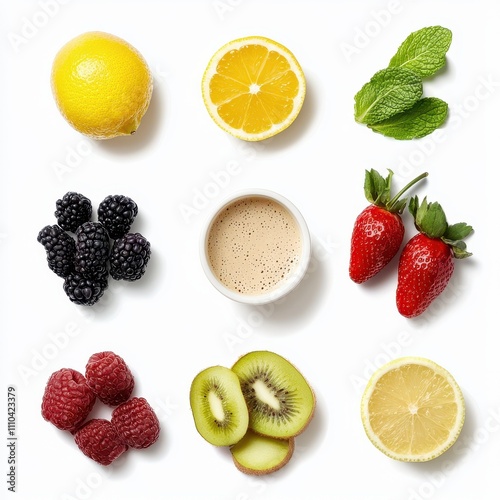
423 118
424 51
389 92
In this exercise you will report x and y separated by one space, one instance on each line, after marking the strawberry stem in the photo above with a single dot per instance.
395 199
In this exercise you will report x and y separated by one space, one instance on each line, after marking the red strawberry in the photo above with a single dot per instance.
426 262
378 231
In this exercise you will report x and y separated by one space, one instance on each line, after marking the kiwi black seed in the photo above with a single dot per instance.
280 401
219 408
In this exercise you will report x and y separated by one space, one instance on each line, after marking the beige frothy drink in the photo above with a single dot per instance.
253 245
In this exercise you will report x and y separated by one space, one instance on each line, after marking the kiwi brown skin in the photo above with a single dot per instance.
287 398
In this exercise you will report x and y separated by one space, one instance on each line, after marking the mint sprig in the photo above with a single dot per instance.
391 102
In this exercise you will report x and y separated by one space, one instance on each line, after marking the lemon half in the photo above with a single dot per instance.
102 85
412 409
253 88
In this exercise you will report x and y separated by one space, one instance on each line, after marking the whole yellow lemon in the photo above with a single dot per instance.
102 85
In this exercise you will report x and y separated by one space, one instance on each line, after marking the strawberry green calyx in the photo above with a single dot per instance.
378 191
430 220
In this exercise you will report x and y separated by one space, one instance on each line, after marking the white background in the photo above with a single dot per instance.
173 323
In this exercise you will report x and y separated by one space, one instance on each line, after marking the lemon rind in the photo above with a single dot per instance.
130 122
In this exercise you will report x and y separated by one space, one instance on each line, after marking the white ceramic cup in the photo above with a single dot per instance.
288 283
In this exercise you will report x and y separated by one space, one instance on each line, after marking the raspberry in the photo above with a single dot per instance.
136 423
67 399
99 440
109 377
117 213
129 257
72 211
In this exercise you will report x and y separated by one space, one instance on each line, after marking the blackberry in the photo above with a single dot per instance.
129 257
60 248
92 249
116 213
85 291
72 210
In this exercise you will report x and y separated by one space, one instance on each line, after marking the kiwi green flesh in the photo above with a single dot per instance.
280 401
219 409
259 455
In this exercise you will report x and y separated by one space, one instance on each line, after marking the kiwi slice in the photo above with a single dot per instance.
258 455
280 401
219 409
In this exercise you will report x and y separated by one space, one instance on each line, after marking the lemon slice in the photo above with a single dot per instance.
253 88
412 409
